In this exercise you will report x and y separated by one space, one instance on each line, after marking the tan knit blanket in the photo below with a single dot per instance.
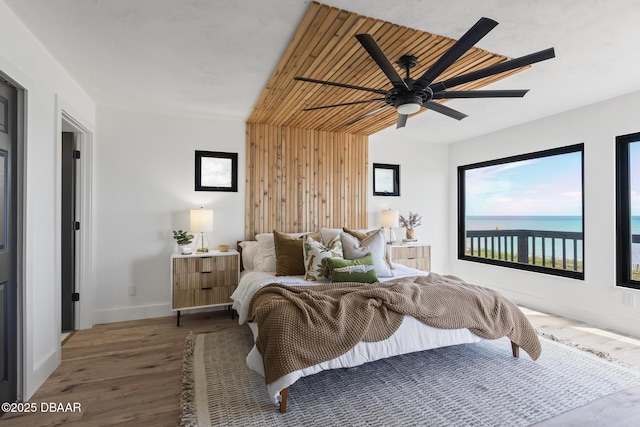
301 326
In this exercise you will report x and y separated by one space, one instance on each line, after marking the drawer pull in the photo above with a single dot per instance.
208 287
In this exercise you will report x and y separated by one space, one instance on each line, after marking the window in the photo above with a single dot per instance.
628 210
524 212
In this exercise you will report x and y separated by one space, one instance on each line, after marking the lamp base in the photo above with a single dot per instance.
392 236
202 249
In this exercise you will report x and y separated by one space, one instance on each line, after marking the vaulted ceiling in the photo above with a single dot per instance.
214 58
324 47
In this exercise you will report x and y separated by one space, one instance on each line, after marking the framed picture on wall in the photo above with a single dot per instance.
216 171
386 179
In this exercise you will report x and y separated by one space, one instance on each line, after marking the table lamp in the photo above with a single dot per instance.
390 219
201 222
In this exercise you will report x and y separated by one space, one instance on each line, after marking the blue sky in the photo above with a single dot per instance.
543 186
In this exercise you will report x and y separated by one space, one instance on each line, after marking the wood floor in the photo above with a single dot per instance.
128 373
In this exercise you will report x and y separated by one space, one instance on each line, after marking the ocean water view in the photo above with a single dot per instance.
549 223
546 223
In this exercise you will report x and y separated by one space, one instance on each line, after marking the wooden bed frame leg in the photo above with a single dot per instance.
515 349
283 400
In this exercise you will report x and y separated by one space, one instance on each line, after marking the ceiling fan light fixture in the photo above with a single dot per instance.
408 104
408 108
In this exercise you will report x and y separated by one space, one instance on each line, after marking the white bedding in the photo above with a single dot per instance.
412 335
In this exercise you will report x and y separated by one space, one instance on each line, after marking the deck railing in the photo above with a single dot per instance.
556 249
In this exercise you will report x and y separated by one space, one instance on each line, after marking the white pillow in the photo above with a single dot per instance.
265 259
315 258
249 250
374 244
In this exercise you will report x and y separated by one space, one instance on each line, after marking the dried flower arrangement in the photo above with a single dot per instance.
412 222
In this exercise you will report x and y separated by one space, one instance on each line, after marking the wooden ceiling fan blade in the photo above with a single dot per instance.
364 116
443 109
518 93
344 85
370 45
402 120
511 64
466 42
345 104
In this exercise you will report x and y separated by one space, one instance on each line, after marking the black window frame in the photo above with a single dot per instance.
624 238
233 157
510 264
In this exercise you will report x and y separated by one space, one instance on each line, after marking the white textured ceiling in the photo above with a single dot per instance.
214 57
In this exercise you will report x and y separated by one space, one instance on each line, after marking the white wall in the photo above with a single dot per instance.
24 60
424 188
144 189
595 300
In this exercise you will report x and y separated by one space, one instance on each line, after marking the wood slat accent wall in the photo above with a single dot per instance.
302 180
324 47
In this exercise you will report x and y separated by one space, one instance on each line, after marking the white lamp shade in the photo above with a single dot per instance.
390 218
201 220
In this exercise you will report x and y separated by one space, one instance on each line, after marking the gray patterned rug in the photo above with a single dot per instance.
466 385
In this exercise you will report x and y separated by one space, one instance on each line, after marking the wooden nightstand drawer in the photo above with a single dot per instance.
203 280
414 256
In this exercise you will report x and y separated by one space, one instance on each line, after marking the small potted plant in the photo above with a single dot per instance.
410 224
183 238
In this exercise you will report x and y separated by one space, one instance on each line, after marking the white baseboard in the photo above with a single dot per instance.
131 313
141 312
42 371
607 321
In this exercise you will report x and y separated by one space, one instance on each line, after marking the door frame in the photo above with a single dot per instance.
19 154
69 120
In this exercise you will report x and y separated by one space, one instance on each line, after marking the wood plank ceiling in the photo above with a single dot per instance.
324 47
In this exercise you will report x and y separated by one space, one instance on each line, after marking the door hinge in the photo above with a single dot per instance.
76 226
76 154
75 296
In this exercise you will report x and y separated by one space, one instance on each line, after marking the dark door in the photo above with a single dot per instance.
8 252
68 228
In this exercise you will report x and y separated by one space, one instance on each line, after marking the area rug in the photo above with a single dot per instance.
478 384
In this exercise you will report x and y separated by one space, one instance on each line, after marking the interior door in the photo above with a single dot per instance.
8 236
68 231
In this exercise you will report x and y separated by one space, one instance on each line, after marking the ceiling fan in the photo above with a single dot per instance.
408 96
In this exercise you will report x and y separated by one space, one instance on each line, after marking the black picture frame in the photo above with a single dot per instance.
386 179
216 171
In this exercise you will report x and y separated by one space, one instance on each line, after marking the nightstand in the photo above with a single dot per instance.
203 280
415 255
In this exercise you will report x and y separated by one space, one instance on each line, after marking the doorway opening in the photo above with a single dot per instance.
69 227
75 225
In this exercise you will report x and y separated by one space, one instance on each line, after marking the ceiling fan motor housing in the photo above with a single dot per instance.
409 95
408 104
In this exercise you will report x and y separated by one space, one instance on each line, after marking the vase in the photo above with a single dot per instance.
410 234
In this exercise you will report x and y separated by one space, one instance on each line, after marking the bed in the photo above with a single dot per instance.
262 277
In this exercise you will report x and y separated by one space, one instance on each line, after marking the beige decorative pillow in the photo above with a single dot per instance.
374 244
316 256
363 234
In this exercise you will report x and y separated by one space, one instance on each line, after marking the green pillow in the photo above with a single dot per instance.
353 270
